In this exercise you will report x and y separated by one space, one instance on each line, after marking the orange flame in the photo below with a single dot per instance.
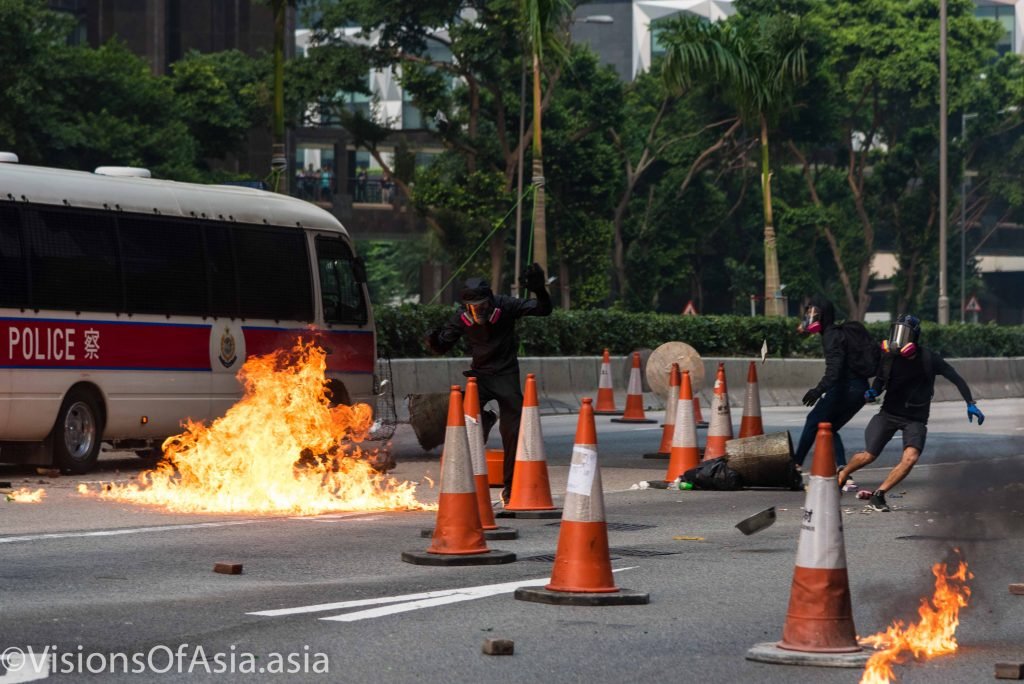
934 633
25 495
281 449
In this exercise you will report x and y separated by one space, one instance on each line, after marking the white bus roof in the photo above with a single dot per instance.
60 187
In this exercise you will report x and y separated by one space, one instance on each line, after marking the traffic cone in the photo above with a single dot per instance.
605 393
819 625
684 453
720 429
477 452
634 397
458 538
750 423
531 490
698 417
671 406
582 574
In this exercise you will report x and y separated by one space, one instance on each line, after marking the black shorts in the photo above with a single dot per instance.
884 425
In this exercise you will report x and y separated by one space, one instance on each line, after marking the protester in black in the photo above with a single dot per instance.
840 393
908 380
488 322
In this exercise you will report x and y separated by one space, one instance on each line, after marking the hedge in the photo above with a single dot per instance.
400 333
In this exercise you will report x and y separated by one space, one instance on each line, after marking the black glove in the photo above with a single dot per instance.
533 278
812 396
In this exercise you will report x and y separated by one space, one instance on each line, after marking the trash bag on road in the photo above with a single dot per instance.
714 474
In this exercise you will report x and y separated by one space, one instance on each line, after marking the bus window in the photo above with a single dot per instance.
163 266
73 260
341 292
13 288
220 271
273 274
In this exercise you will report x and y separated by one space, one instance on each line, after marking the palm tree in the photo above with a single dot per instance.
760 62
542 22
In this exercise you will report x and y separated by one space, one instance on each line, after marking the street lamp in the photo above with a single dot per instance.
943 164
964 116
589 19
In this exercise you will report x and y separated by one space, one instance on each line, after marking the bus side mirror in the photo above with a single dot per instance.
359 269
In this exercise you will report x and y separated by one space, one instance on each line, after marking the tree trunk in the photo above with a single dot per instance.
540 233
772 291
563 277
278 156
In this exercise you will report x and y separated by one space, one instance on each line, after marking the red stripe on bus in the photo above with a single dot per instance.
34 343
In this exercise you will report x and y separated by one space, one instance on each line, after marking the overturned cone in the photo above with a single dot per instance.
582 574
819 627
478 455
458 537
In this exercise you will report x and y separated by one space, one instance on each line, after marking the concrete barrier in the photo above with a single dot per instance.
563 381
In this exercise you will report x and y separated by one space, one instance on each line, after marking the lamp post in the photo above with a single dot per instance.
589 19
964 116
943 164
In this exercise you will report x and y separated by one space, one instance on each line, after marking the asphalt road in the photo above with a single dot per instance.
88 578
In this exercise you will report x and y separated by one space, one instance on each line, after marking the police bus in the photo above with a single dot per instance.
129 303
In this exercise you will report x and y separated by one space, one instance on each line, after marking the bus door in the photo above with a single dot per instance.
345 313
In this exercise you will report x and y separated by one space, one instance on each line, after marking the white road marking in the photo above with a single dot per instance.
116 533
24 667
407 602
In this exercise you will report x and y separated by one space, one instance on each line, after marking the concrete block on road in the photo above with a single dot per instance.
499 647
228 568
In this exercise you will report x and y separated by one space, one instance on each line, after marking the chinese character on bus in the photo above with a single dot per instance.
92 344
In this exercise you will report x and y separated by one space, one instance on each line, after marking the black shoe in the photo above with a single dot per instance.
877 502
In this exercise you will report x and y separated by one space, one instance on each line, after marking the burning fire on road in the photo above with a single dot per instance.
26 495
932 635
281 449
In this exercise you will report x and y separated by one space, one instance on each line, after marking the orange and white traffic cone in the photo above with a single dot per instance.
477 452
750 423
634 397
531 489
671 406
819 625
720 429
458 537
698 417
684 453
582 574
605 393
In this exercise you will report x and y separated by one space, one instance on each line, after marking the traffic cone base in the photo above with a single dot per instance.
771 652
623 597
491 557
496 533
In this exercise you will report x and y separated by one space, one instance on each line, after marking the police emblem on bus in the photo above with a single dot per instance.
227 348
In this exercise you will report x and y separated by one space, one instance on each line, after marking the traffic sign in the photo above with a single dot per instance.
690 309
972 305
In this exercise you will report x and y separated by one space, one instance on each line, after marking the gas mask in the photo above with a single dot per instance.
812 320
480 311
903 336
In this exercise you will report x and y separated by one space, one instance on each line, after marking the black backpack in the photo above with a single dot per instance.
863 352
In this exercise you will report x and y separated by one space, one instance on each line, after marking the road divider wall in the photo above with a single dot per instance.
563 381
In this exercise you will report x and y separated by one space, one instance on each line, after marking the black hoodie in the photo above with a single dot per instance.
833 341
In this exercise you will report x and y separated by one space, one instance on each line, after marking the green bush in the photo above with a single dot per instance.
400 333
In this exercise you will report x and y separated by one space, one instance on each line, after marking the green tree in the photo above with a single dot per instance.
762 61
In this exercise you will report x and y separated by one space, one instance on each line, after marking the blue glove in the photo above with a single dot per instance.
870 396
973 411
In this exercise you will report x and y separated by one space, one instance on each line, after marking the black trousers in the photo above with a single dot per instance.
506 390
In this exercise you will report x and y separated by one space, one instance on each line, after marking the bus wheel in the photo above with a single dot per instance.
76 435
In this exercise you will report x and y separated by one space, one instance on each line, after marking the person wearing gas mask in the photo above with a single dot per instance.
851 358
488 323
908 379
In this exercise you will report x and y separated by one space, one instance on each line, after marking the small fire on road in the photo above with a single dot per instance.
26 495
282 449
932 635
